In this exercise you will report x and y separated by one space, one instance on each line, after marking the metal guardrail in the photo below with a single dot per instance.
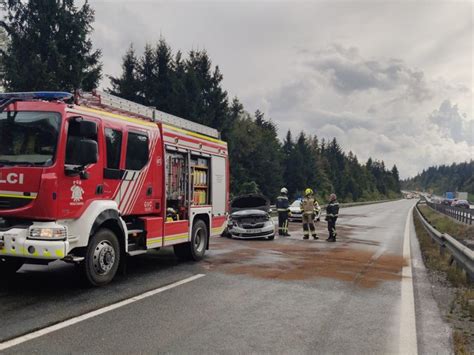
463 215
462 255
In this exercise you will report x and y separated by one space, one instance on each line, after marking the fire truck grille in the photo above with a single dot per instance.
8 203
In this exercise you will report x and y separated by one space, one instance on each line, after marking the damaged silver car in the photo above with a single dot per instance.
250 218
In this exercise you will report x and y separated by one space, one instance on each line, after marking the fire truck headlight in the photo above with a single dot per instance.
48 233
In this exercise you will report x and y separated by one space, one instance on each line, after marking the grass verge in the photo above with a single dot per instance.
461 311
446 224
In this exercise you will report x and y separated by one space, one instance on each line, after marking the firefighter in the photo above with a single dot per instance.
310 209
171 215
332 212
283 208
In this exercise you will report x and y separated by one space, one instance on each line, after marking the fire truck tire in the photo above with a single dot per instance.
195 249
9 266
102 258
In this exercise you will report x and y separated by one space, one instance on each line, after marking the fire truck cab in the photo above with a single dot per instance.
90 178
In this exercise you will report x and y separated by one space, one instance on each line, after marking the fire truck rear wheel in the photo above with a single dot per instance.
196 248
9 266
102 258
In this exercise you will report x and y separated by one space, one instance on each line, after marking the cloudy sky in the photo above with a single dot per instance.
390 79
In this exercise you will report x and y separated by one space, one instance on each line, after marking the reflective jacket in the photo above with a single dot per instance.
310 206
282 204
332 210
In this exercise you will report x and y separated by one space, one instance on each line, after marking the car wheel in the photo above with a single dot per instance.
196 248
271 237
10 266
102 258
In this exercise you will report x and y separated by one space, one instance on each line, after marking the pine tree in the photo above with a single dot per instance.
49 40
127 85
3 47
443 178
191 88
396 179
164 67
287 150
147 75
178 100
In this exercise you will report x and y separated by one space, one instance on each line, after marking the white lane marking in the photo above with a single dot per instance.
408 339
36 334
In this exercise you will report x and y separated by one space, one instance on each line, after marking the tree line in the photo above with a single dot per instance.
56 53
444 178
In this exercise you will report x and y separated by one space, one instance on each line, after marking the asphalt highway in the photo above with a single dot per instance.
362 294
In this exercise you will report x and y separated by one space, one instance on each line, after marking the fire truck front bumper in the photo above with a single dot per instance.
46 241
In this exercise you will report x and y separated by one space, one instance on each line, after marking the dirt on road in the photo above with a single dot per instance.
352 260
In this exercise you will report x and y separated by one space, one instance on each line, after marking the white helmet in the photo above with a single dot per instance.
284 191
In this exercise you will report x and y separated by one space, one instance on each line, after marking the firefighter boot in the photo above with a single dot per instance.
306 237
315 237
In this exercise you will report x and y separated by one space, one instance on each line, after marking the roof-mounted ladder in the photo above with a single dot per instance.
110 102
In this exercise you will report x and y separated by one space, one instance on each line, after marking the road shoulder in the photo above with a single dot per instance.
434 333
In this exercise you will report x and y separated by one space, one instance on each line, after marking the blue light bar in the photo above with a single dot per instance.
36 95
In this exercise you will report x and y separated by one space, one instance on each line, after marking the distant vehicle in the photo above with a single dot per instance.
462 204
446 202
449 195
296 212
250 218
461 195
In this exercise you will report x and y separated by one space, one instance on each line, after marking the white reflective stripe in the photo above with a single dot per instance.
132 175
128 177
123 187
120 191
135 191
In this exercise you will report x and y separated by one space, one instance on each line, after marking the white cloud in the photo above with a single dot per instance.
377 108
452 123
391 80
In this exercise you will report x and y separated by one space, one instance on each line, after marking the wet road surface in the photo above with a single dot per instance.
288 295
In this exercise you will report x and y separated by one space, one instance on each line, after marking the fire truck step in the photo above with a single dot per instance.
132 246
136 252
73 259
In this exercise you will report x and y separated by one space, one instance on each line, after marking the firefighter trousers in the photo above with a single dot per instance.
308 224
332 228
282 222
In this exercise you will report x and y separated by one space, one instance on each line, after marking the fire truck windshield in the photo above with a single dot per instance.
28 137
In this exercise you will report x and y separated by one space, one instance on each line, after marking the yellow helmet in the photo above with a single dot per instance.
308 191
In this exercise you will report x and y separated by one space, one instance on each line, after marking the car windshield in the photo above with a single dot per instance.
28 137
297 203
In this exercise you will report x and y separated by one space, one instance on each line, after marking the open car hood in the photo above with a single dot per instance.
250 202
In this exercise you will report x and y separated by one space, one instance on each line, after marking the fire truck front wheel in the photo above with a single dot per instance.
8 266
102 258
196 248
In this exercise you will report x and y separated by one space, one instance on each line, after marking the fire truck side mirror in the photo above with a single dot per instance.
82 152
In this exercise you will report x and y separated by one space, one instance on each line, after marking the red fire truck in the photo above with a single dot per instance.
91 178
